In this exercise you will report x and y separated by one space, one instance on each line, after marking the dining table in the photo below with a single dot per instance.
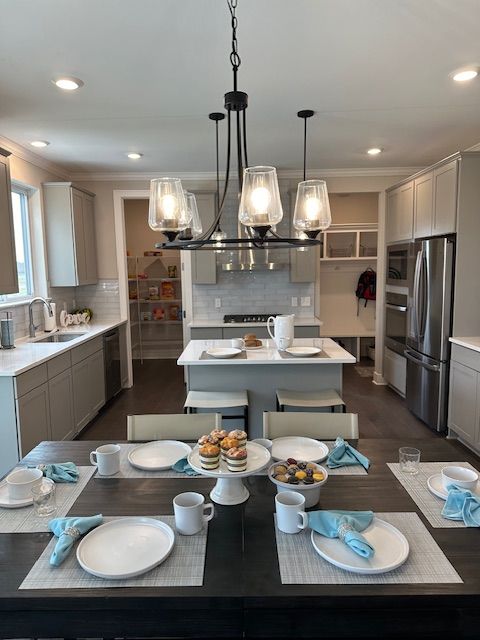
242 594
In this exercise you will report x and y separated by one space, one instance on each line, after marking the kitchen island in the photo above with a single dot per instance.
263 371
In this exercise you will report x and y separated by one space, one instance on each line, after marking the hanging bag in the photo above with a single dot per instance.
366 287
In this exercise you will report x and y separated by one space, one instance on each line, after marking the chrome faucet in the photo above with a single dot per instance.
31 326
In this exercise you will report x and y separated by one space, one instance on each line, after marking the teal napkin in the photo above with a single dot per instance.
182 466
68 530
462 505
63 472
345 525
344 455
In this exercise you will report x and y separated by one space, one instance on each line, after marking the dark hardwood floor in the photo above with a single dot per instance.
159 388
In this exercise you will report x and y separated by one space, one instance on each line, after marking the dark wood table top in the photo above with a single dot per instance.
242 593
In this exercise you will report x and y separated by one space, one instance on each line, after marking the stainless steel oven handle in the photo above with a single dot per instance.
396 307
425 365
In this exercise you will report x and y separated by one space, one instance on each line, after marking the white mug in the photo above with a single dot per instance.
264 442
290 506
283 343
237 343
107 459
20 483
190 516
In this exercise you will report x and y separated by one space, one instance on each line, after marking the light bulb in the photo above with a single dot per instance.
260 199
168 205
313 207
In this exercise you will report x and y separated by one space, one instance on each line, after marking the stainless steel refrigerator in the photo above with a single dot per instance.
429 327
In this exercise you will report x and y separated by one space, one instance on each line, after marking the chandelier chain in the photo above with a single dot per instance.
234 56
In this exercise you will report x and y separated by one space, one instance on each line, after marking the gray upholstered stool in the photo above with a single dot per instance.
219 400
309 399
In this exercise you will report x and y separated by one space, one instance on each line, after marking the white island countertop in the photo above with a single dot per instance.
298 322
267 355
468 343
28 353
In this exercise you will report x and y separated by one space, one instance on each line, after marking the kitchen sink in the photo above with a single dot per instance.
59 337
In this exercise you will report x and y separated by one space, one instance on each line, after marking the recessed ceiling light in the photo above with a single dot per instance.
465 75
68 83
39 143
134 156
374 151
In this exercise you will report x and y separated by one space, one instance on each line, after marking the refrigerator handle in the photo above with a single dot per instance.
423 294
430 367
415 292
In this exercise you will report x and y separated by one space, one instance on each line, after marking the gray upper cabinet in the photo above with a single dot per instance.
445 199
204 263
70 231
8 261
399 225
423 205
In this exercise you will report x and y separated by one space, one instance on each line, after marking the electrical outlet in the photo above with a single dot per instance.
305 302
218 303
294 302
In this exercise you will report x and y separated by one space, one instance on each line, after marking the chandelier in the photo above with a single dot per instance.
173 212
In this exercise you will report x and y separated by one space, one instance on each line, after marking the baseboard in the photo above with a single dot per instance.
379 379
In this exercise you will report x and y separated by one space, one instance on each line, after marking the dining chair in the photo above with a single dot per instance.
178 426
325 426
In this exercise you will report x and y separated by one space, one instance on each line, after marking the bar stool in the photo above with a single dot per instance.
309 399
219 399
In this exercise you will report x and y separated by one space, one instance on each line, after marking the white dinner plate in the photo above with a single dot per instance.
434 483
303 352
159 455
223 352
391 549
305 449
7 503
125 548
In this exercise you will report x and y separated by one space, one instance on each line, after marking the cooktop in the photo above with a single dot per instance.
249 317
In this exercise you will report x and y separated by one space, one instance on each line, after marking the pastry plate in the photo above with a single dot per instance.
159 455
434 483
257 458
223 352
305 449
260 346
7 503
391 549
303 352
125 548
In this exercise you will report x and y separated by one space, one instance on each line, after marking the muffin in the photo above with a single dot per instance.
219 434
208 439
250 340
209 456
236 459
226 444
239 435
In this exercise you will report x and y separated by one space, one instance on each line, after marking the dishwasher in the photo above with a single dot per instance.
111 355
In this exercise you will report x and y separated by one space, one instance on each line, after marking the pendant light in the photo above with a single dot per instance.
195 228
168 211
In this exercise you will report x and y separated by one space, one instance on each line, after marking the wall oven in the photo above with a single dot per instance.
396 321
398 264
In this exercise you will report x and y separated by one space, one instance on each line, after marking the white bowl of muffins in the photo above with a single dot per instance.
230 447
296 475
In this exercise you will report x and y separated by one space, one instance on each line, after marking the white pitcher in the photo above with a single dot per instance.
283 331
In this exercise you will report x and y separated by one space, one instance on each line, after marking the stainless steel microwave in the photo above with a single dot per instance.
398 264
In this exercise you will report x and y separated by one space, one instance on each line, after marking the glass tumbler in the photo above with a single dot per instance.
44 501
409 459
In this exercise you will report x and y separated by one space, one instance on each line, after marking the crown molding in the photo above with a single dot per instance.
283 174
29 156
476 147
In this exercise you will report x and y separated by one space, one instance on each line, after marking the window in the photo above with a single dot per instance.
22 247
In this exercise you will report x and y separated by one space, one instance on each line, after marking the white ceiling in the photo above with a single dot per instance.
375 71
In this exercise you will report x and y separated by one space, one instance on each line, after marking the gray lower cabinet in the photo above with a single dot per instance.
60 395
395 370
33 418
88 389
464 402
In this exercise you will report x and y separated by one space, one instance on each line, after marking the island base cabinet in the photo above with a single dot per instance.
33 418
88 389
60 393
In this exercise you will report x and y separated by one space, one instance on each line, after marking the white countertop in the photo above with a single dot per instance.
469 343
299 322
267 355
28 354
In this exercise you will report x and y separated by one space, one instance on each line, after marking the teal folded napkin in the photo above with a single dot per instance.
182 466
344 455
462 505
345 525
68 530
63 472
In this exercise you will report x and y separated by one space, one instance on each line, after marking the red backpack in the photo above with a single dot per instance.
366 287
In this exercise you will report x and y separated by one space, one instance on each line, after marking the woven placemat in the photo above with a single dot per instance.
183 568
426 564
24 519
287 356
129 471
240 356
416 485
